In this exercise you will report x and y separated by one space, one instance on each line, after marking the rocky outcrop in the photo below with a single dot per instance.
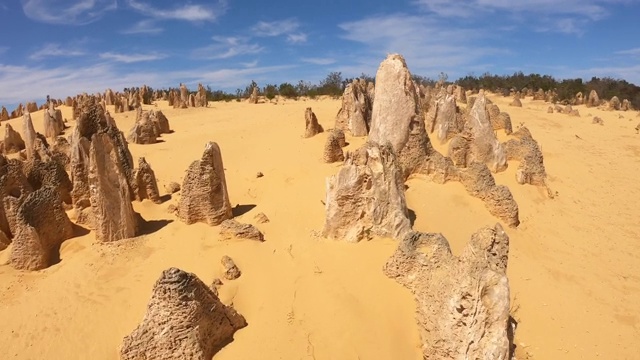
527 151
593 99
579 99
32 106
499 120
462 302
539 95
201 97
144 184
230 269
333 147
479 182
312 127
144 130
161 122
443 117
626 105
4 114
516 102
355 114
53 123
484 147
230 229
29 135
253 98
13 142
51 174
184 320
109 192
366 197
41 226
614 104
204 195
14 187
396 104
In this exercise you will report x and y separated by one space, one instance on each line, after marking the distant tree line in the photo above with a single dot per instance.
565 89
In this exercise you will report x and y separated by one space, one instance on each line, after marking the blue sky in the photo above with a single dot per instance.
63 47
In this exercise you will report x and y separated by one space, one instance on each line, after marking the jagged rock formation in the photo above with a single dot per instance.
231 228
144 184
13 142
41 226
4 240
231 270
32 106
51 174
484 147
593 99
355 114
527 151
53 123
29 134
144 130
184 320
4 114
396 103
366 197
338 133
443 117
462 302
516 102
204 190
253 98
160 121
261 218
109 192
312 127
539 95
579 99
460 94
499 120
201 97
14 187
626 105
614 104
333 147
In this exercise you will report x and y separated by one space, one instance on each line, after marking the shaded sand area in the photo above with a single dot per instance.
573 267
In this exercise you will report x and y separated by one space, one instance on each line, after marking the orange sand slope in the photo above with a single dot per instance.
573 265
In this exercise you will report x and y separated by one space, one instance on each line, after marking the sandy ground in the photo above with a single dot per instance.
574 264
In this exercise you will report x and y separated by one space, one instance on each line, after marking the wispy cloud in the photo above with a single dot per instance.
227 47
275 28
143 27
593 9
298 38
67 12
446 48
55 50
131 58
186 12
251 64
631 52
319 61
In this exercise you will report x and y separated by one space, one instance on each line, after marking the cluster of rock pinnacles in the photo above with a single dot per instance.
462 301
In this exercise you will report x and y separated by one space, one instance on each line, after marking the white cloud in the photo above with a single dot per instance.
251 64
593 9
55 50
297 38
131 58
275 28
143 27
319 61
630 73
186 12
67 12
631 52
428 46
227 47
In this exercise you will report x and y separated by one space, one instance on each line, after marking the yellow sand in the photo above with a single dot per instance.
573 267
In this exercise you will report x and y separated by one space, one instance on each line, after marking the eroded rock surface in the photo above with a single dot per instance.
204 195
527 151
462 302
145 185
355 114
366 197
41 226
13 142
230 228
312 127
184 320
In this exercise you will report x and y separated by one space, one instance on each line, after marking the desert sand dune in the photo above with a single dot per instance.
573 268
